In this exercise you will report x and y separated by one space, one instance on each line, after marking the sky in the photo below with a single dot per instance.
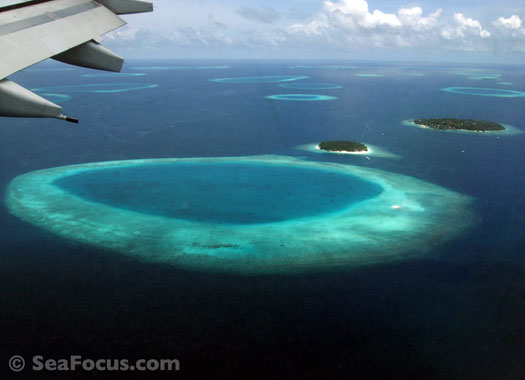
427 30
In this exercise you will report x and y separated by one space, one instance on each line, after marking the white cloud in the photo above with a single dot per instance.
338 27
465 27
314 28
212 36
513 22
351 24
188 37
127 33
413 17
510 33
356 12
266 15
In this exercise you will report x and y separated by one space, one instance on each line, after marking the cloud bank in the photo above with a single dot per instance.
266 15
338 27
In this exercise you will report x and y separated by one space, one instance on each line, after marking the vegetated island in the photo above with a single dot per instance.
343 146
460 124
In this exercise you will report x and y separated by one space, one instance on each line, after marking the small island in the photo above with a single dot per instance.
355 148
460 124
343 146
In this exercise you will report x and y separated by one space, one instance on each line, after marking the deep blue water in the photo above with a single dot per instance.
460 314
221 193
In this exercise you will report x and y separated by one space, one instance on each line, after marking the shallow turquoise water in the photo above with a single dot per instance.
485 77
262 79
113 75
301 97
98 88
170 68
56 98
224 193
478 91
311 86
339 67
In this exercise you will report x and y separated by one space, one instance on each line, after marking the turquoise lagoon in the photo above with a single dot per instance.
97 88
301 97
479 91
261 79
248 215
311 86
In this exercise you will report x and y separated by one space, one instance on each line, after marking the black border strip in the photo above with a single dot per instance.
23 5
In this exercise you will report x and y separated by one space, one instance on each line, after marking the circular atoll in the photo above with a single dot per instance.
470 72
478 91
250 215
507 129
311 86
263 79
114 75
301 97
48 69
56 98
175 68
373 151
485 77
325 67
98 88
338 67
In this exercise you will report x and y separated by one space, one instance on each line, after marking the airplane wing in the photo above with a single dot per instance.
66 30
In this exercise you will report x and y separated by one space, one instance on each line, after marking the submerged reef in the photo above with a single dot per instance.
463 124
56 98
49 69
326 67
262 79
485 77
479 91
338 67
311 86
343 146
177 68
396 218
114 75
301 97
97 88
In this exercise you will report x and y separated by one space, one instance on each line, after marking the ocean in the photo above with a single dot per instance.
456 311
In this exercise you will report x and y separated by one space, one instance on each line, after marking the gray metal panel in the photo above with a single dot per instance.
16 101
73 23
126 7
92 55
45 18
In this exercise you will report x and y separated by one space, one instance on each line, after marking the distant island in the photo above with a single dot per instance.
460 124
343 146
